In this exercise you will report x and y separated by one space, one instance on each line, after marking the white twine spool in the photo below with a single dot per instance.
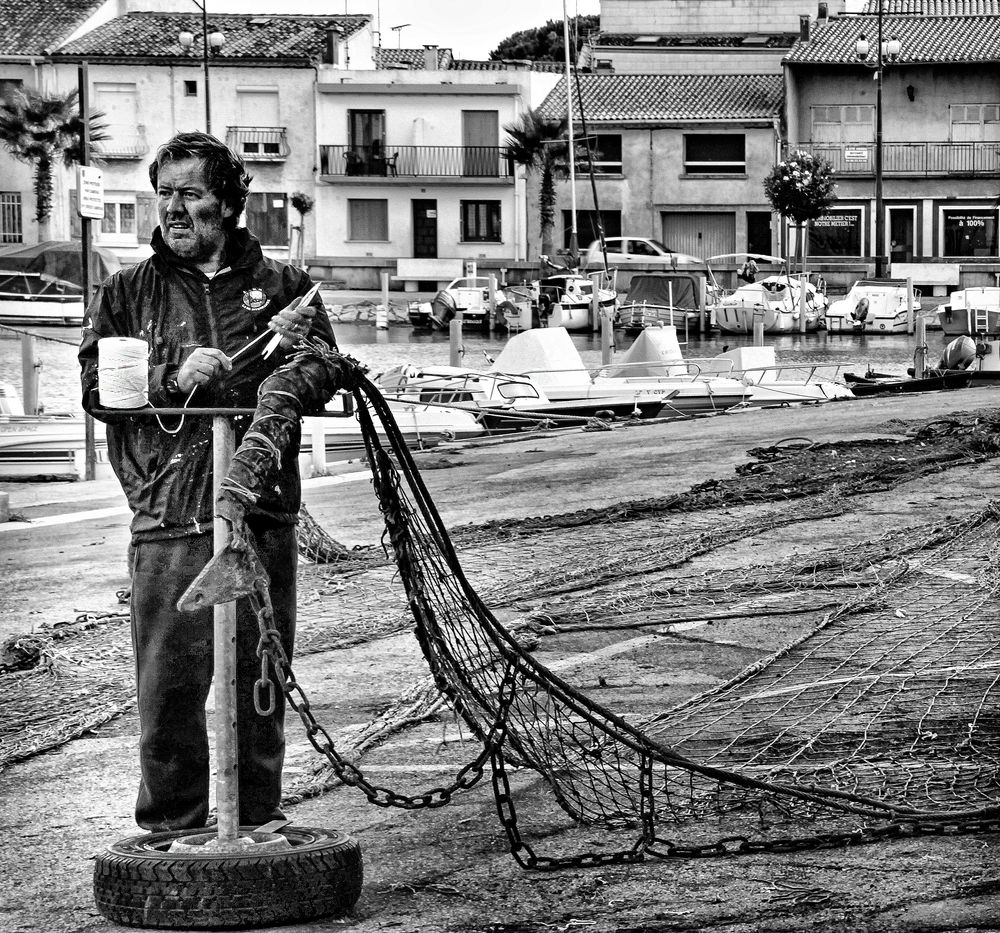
123 372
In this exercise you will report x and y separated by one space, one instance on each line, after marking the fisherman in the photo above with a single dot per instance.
748 271
206 292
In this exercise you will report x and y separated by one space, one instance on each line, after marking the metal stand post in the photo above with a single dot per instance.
227 791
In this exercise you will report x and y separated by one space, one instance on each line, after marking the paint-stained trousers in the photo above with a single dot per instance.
174 663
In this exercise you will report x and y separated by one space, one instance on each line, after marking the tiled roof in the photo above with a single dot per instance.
935 7
30 27
260 37
687 40
409 58
657 98
468 64
924 39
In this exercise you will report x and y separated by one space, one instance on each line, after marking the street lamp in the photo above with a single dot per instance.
886 51
211 42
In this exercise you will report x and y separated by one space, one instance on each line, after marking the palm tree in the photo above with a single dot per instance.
42 130
539 142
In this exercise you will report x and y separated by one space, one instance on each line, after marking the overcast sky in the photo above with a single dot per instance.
469 29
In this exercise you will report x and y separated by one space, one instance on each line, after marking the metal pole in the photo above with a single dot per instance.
29 374
909 306
879 209
83 93
574 246
227 790
456 350
204 53
607 336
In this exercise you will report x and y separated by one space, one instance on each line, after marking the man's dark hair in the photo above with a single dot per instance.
225 171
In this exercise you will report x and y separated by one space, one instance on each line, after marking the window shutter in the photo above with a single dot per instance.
146 219
75 227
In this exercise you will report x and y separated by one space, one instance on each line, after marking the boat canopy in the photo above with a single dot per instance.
676 291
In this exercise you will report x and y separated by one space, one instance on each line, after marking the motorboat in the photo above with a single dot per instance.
43 446
971 311
775 302
874 383
40 299
563 300
660 298
467 295
502 402
552 362
874 307
771 383
424 425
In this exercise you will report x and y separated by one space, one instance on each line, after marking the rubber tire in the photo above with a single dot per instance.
138 883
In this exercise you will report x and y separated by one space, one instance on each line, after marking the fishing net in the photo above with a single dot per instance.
878 722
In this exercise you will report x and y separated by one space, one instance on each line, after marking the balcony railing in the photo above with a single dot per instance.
919 158
259 143
416 161
123 143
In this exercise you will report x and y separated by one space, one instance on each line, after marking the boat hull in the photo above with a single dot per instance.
41 312
882 385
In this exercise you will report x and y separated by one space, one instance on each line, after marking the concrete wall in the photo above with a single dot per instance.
684 61
663 17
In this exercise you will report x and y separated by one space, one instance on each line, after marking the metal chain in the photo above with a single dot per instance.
270 648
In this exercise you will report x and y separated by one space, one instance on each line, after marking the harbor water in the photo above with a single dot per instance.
59 385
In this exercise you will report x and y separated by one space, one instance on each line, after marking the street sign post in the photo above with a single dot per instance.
90 192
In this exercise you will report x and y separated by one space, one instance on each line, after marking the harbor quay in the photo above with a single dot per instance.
63 554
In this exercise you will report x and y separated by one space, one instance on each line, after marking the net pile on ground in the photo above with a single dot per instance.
877 723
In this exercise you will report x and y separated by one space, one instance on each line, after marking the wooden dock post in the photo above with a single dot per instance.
758 333
909 306
607 336
456 349
802 302
920 355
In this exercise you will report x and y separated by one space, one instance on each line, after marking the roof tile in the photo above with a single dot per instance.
934 7
248 36
656 98
31 27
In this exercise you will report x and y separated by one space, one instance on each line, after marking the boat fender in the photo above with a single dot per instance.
860 311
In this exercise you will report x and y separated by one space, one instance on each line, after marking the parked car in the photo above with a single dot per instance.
632 250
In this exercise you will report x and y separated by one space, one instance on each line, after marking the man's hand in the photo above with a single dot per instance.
204 366
294 321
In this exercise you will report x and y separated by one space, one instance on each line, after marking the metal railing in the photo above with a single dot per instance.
259 143
416 161
916 158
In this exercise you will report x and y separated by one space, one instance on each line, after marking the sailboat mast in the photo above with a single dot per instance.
574 246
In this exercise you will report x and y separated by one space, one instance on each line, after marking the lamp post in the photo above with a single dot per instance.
885 52
210 42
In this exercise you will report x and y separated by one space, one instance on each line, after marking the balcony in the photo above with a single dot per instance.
123 143
441 162
259 143
924 159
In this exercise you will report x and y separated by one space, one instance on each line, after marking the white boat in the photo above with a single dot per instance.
40 299
873 307
773 301
778 384
424 425
552 362
468 295
971 311
662 298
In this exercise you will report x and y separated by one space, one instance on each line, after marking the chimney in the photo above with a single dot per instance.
331 46
803 28
431 57
823 13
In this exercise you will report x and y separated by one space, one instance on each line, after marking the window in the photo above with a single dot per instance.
119 218
368 219
843 123
715 154
366 134
190 88
607 149
11 230
480 221
969 231
975 122
267 217
586 226
836 234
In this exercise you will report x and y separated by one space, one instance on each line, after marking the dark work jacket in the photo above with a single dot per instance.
175 308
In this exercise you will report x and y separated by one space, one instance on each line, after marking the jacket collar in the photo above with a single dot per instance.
242 249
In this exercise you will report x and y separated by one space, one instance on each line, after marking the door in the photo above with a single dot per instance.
365 142
481 143
758 233
699 234
901 228
425 230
